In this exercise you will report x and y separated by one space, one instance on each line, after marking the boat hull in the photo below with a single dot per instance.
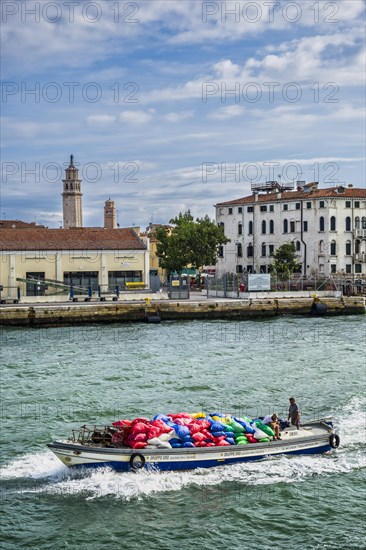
316 440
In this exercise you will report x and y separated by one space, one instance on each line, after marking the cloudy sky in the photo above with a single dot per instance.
177 104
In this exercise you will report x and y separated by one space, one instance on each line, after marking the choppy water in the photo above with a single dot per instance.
56 379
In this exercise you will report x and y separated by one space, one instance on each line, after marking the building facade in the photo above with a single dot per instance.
327 226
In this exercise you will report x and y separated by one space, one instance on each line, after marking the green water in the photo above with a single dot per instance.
57 379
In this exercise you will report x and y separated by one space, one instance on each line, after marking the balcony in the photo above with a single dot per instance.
360 257
360 233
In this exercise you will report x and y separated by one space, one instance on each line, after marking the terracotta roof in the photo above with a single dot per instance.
19 224
84 238
331 192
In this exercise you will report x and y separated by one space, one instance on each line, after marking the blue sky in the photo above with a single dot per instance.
177 104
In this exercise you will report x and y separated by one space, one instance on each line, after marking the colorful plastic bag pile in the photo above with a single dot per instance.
190 430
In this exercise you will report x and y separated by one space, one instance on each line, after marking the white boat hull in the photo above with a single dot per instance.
315 438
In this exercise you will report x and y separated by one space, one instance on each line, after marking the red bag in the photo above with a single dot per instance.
140 427
138 445
161 425
211 444
154 431
121 423
142 419
223 444
141 437
198 437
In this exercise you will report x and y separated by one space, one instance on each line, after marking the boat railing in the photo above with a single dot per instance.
93 435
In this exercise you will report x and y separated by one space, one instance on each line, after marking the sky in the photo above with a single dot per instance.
170 105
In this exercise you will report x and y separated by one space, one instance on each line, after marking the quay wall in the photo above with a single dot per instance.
108 312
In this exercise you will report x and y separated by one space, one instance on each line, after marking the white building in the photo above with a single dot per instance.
328 227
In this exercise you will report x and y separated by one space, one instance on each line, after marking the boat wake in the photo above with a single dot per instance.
43 473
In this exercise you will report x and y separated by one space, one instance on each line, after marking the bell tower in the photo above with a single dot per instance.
110 218
71 197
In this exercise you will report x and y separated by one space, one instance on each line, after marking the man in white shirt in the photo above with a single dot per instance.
272 421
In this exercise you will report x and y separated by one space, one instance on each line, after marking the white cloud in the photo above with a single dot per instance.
228 112
178 117
101 120
135 117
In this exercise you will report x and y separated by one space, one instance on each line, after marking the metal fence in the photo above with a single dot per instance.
232 285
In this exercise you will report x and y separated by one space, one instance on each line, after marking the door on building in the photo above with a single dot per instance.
35 287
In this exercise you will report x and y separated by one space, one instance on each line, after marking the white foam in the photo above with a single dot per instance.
34 466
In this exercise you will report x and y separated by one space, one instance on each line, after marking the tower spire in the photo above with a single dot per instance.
71 197
71 160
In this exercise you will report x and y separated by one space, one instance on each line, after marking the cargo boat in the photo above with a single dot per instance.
93 447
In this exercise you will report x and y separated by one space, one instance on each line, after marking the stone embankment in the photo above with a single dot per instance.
47 315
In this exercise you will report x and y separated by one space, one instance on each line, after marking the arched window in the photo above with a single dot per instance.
298 245
264 227
250 228
333 248
240 228
271 226
357 222
348 223
321 247
321 223
264 249
357 246
250 250
239 250
363 223
348 248
285 226
333 223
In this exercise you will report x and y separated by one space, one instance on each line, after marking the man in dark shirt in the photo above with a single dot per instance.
294 413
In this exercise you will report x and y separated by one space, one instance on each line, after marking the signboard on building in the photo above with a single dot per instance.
259 282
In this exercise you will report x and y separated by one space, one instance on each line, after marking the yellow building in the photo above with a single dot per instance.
46 261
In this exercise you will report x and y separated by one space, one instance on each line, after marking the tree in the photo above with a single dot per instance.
285 262
191 242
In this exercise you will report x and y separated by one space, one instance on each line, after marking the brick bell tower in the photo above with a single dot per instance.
71 197
110 217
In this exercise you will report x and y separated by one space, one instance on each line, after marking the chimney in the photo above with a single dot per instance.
110 218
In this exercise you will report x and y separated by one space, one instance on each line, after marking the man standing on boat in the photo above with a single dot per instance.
294 413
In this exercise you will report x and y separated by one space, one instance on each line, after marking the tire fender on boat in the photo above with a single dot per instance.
334 441
137 461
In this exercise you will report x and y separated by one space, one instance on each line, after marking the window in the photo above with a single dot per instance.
240 228
305 227
348 268
298 246
230 210
250 209
321 204
271 249
363 222
321 268
333 268
357 222
285 206
250 228
221 251
122 277
321 247
239 250
35 287
264 227
250 251
271 226
263 208
263 249
240 209
333 248
321 223
271 207
249 268
357 205
221 211
263 269
239 269
292 227
308 205
348 248
285 226
358 268
82 278
357 246
221 224
333 224
348 204
348 223
297 206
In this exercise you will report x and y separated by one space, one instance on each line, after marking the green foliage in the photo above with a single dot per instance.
285 262
191 242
